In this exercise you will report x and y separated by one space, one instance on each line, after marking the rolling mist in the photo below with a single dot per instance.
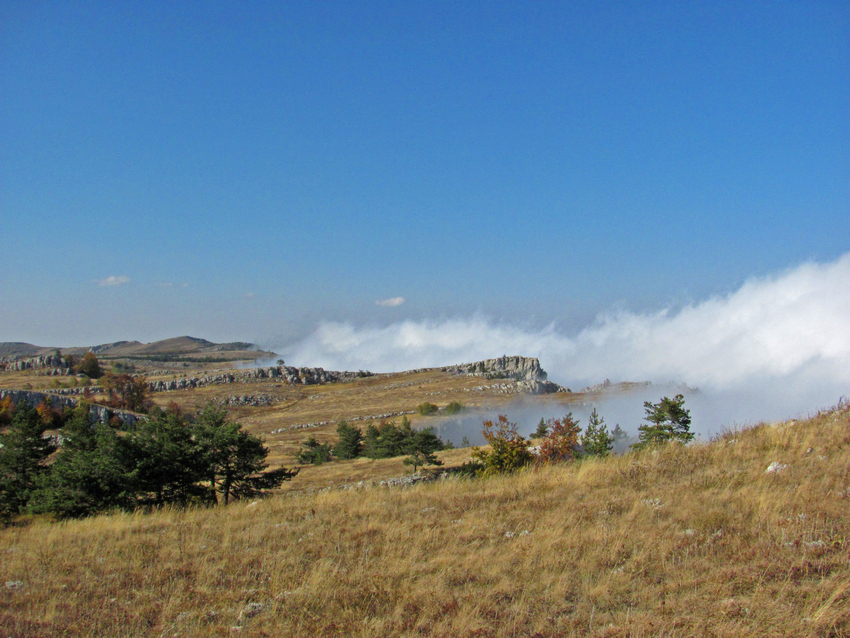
778 347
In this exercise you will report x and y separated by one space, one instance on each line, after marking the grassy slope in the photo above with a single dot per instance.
695 541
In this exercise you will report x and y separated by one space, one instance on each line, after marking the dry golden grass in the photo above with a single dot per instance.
684 541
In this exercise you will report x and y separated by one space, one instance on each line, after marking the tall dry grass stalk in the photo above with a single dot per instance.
682 541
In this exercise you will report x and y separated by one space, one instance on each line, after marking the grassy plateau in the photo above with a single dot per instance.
695 540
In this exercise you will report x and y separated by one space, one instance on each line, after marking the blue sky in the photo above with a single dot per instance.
253 171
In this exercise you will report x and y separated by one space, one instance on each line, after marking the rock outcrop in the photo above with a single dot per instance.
53 365
517 368
285 374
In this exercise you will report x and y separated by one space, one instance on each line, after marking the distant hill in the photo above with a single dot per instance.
173 347
20 349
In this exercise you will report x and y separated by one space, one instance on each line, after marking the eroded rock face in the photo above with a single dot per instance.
286 374
517 368
53 365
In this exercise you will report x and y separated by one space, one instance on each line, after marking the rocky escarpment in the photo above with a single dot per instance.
98 412
51 364
525 372
285 374
517 368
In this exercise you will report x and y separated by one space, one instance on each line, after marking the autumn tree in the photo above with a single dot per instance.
561 443
90 366
7 409
127 392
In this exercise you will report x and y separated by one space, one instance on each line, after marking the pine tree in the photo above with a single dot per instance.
314 453
667 420
597 441
93 471
350 443
232 461
23 450
371 442
167 463
542 429
391 442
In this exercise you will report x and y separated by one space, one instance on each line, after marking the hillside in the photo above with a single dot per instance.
177 349
684 541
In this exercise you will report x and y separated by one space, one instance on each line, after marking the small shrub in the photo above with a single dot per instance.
427 409
453 408
508 449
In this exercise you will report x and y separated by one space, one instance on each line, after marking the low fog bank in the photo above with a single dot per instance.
712 413
778 347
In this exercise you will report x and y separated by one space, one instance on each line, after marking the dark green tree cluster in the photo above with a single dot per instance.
170 458
386 440
314 453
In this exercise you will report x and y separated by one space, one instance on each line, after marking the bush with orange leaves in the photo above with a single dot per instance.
508 449
561 443
7 409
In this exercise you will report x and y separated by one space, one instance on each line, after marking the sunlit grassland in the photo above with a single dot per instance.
683 541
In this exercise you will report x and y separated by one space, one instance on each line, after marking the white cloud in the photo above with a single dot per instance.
395 301
113 280
786 336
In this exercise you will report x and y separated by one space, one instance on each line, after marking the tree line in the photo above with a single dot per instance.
386 440
562 439
169 458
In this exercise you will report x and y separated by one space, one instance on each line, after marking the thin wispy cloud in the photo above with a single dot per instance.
390 303
113 280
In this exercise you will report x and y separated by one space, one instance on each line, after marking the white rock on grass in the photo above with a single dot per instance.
776 466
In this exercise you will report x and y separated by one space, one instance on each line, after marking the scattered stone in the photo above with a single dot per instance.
249 611
14 585
776 466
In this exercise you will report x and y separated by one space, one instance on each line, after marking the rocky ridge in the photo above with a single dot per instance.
515 367
99 412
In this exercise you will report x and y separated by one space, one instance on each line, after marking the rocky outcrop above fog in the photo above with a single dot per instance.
517 368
